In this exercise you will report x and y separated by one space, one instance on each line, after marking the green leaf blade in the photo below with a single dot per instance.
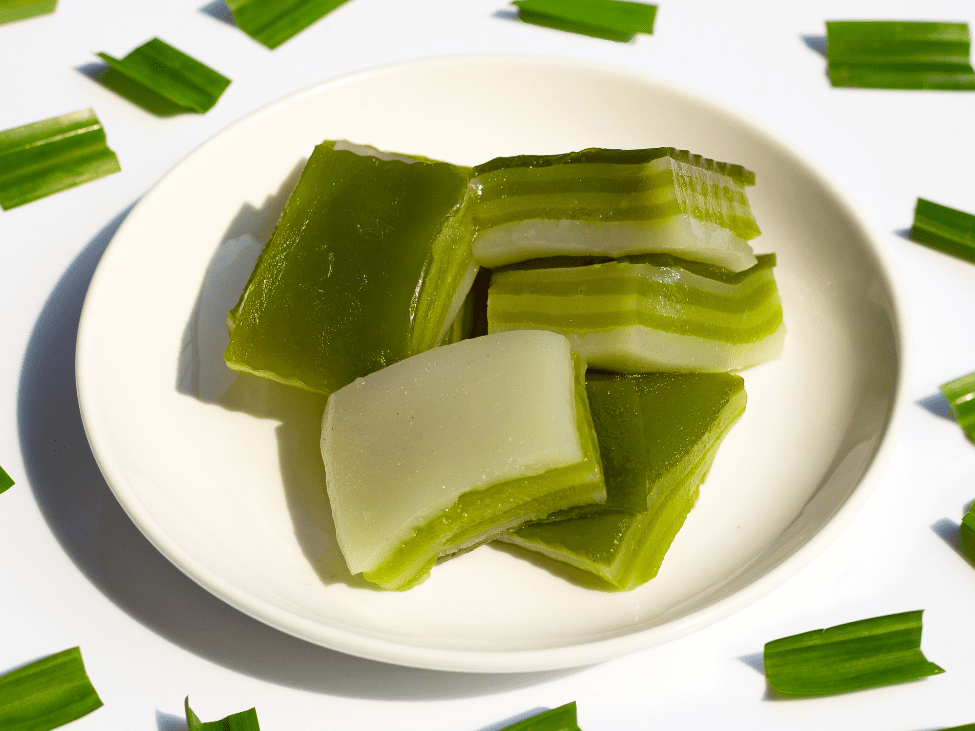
171 74
243 721
853 656
899 55
946 229
11 10
272 22
966 534
46 157
961 396
614 20
562 718
46 694
6 481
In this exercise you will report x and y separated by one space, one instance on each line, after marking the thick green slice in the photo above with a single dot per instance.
55 154
613 203
852 656
946 229
46 694
169 73
243 721
441 452
11 10
961 396
649 313
899 55
683 418
370 263
272 22
614 20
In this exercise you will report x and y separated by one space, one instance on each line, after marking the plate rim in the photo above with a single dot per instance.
578 654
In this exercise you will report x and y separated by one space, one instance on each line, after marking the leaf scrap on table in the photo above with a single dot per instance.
613 20
243 721
853 656
946 229
46 694
164 80
899 55
52 155
11 10
6 481
961 396
272 22
562 718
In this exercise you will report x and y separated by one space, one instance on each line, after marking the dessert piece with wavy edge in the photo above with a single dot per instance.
647 313
601 202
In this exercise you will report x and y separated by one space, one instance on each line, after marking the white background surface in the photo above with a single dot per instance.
75 571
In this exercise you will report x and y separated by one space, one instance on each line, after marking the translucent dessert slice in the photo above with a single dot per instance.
648 313
443 451
369 264
684 418
613 203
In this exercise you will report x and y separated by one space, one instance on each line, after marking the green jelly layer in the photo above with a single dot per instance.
724 318
642 188
479 516
683 418
369 264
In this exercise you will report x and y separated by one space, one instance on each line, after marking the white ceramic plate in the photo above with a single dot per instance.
227 482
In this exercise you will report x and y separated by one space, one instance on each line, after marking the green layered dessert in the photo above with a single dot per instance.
613 203
369 264
445 450
647 313
667 445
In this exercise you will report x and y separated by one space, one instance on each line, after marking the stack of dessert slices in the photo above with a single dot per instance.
569 399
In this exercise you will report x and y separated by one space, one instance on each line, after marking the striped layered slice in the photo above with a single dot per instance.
613 203
445 450
648 313
681 421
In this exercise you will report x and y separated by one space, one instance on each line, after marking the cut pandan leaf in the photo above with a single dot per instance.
170 75
272 22
681 420
441 452
6 481
370 263
11 10
55 154
946 229
46 694
966 534
243 721
853 656
648 313
961 396
899 55
562 718
613 20
613 203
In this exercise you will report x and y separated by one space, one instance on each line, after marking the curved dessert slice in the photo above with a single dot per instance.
369 264
649 313
684 417
443 451
613 203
